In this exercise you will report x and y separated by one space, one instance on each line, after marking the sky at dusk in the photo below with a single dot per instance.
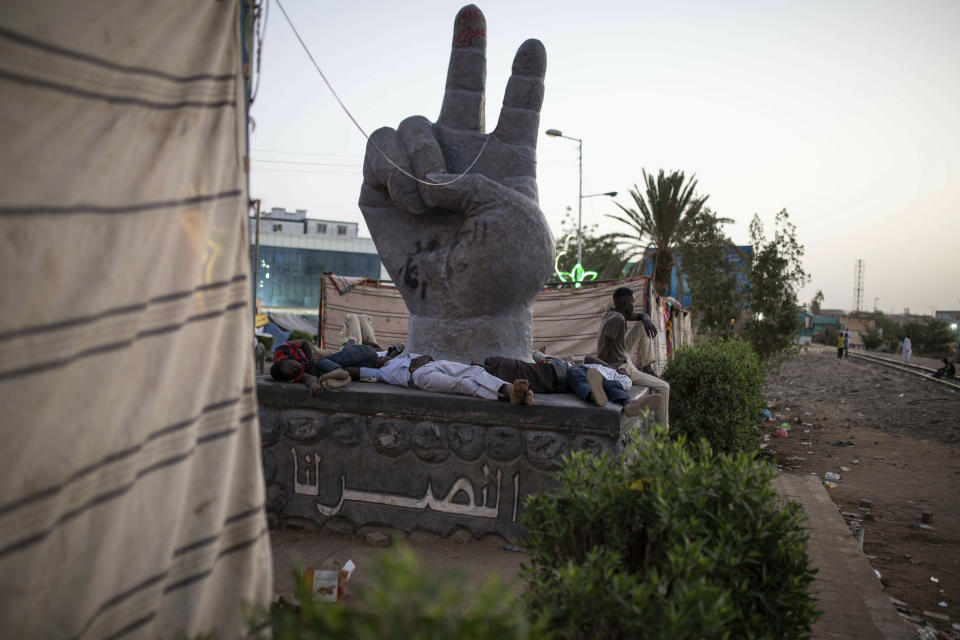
846 114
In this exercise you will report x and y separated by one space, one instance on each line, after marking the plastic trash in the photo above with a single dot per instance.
830 475
766 415
780 433
830 485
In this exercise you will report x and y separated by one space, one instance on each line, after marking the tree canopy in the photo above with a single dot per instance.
715 270
666 213
776 276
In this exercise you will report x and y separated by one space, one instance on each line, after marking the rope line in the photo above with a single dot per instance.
364 133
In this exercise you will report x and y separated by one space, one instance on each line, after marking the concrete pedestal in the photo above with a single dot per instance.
375 454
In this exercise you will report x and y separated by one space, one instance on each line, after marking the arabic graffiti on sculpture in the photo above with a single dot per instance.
429 501
306 488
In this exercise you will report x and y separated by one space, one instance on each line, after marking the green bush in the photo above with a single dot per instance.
404 600
716 394
871 339
930 337
667 545
267 342
300 334
828 336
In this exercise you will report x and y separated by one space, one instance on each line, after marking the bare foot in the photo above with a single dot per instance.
519 391
336 378
595 381
634 407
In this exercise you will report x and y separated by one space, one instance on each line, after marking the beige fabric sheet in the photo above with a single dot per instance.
131 501
565 321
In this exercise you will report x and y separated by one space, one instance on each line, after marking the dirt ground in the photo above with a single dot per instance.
904 460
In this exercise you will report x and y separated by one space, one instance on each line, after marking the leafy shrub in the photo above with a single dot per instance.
716 393
404 600
667 545
267 342
300 334
828 336
930 337
871 339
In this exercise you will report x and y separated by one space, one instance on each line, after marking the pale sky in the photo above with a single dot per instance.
845 113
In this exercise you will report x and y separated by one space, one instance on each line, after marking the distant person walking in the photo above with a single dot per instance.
907 349
840 345
846 345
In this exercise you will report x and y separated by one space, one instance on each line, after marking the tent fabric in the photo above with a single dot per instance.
291 321
279 335
132 497
344 283
565 321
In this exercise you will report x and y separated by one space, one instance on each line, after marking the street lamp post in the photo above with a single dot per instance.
556 133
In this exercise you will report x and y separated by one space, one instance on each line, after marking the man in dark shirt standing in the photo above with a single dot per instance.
615 344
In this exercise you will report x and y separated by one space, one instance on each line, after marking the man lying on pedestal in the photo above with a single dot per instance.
298 361
444 376
593 381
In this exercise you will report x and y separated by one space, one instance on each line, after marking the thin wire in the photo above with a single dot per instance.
318 164
307 153
314 172
260 33
359 128
509 148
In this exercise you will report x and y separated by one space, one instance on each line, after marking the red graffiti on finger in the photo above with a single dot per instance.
467 36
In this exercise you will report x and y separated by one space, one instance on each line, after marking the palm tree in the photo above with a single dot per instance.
663 217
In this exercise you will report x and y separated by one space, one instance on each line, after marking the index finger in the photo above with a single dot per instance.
463 98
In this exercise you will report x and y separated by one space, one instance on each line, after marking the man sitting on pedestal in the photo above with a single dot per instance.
615 345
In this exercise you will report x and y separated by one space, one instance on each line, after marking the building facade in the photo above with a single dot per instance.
739 257
295 250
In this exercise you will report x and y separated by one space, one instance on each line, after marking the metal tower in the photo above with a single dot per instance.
858 286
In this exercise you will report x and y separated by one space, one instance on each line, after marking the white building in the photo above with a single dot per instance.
295 250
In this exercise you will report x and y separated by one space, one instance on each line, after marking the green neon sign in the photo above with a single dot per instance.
576 275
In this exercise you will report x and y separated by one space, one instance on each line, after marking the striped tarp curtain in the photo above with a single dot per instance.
131 501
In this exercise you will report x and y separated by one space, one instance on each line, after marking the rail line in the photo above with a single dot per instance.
914 369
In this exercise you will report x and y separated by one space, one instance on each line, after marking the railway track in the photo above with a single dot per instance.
914 369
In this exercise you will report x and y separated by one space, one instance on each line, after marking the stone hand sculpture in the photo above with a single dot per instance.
470 254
